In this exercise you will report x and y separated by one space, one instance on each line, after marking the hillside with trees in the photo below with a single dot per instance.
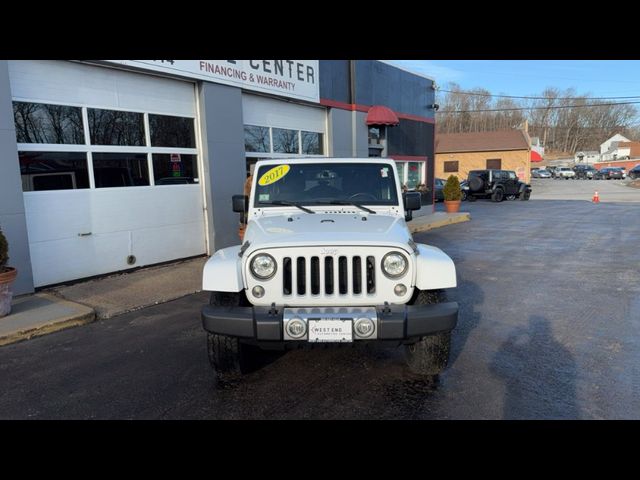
563 120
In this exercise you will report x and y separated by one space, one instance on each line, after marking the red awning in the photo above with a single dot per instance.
535 156
379 115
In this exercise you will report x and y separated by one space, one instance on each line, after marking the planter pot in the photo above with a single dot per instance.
452 206
6 279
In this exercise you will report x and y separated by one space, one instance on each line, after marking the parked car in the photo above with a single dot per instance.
607 173
366 279
495 184
564 172
541 173
584 172
635 172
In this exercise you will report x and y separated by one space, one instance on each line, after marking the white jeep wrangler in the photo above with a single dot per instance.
327 257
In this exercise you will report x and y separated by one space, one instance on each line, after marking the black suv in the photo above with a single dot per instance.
634 172
585 172
495 184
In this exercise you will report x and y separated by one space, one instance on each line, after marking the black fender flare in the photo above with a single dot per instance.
524 187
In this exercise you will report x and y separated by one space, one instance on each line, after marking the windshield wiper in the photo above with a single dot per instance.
287 204
345 202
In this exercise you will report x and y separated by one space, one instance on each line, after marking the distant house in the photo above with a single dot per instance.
589 156
618 147
458 153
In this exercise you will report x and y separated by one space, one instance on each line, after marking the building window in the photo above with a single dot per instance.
451 166
53 171
312 143
411 174
168 131
377 141
44 123
400 167
114 127
59 126
286 141
120 169
414 175
256 139
175 168
494 163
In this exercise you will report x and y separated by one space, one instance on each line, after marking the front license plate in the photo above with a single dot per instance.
330 330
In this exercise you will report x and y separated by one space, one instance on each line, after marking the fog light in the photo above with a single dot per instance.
258 291
296 328
364 327
399 289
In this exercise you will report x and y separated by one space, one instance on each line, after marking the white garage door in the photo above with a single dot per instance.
110 168
277 129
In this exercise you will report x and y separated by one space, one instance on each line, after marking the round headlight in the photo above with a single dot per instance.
394 264
263 266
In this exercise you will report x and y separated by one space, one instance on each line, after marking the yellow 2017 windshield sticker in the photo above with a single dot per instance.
273 175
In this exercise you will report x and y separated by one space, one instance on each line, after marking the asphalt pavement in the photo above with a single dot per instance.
549 328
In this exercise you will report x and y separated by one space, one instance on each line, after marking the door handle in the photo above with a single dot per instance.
85 234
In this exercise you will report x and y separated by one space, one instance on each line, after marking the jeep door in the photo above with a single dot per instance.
511 182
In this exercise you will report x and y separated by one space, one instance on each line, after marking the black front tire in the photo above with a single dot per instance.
429 356
525 196
497 196
229 358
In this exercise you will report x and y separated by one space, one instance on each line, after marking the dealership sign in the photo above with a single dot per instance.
287 78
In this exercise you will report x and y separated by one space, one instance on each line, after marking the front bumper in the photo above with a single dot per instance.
394 322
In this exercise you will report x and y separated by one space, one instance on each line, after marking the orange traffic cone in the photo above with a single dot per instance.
596 198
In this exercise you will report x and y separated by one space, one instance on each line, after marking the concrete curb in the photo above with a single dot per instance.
27 327
437 220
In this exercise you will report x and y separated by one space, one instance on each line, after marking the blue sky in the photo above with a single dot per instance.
527 77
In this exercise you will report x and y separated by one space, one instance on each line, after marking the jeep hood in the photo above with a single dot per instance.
326 229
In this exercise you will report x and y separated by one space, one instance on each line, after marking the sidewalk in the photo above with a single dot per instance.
67 306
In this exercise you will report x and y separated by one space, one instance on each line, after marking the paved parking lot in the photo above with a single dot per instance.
608 190
549 328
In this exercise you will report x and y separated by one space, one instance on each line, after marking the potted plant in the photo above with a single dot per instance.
7 276
452 194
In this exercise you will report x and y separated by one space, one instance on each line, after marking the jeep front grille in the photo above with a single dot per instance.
342 275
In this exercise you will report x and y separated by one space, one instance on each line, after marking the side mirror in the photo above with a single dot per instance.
240 203
411 201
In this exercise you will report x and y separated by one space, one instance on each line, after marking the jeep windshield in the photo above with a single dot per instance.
325 184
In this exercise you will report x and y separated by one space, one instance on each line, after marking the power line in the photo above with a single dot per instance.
532 98
538 108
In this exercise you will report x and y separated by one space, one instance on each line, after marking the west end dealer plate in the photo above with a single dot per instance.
330 330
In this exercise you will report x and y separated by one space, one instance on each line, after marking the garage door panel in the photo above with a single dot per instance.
185 239
81 84
57 215
138 208
71 258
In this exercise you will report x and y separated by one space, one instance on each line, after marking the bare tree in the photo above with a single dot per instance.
563 120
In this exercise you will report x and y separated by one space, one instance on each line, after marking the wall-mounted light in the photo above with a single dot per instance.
435 106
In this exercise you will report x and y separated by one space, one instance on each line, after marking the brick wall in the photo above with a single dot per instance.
516 160
628 164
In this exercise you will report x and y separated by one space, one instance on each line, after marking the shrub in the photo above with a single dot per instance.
4 250
451 190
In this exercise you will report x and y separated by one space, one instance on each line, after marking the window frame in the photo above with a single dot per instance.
499 167
444 166
405 176
89 149
272 154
